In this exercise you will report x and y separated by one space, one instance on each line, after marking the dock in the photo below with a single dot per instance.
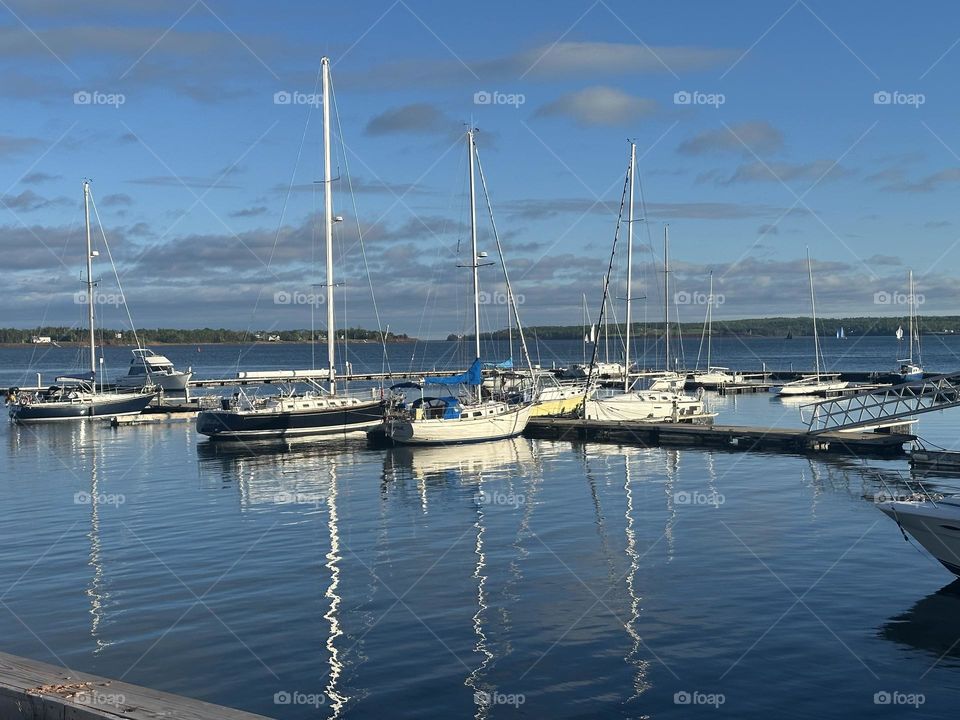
31 690
723 437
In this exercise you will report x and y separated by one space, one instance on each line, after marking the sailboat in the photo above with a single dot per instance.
318 410
714 376
468 416
77 396
910 367
820 382
662 401
841 335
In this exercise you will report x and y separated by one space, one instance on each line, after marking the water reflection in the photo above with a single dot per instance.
96 589
932 626
640 683
337 700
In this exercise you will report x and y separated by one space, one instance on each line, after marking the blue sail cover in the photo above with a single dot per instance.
505 365
470 377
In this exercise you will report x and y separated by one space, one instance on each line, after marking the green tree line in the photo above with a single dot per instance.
200 336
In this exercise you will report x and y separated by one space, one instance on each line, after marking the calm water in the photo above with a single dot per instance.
583 580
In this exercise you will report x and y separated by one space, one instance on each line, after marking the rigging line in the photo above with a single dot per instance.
116 275
356 214
606 288
506 277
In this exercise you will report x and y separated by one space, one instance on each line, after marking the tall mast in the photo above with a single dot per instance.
813 309
910 300
86 218
475 262
629 319
666 297
709 320
328 224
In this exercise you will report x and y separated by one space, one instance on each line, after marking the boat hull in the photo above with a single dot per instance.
637 407
238 425
124 404
936 528
458 430
175 382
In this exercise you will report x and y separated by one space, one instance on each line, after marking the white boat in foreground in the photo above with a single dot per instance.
648 406
934 523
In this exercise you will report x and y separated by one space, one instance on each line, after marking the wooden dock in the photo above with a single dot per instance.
723 437
31 690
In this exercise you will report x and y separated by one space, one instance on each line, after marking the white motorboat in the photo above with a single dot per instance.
149 368
934 523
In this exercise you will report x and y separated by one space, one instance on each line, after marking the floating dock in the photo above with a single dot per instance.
31 690
724 437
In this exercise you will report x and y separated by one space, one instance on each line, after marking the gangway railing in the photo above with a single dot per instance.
883 406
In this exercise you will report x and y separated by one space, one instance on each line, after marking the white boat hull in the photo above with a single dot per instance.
449 431
801 388
935 527
645 406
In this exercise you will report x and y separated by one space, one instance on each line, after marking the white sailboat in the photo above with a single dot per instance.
467 417
76 397
820 382
318 410
714 376
911 367
663 401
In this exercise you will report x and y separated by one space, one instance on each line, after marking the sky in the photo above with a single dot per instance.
764 129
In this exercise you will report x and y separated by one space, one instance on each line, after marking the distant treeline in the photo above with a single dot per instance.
199 336
756 327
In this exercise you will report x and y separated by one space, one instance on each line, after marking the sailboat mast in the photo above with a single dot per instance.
910 300
666 297
475 262
629 319
813 310
86 218
328 223
709 320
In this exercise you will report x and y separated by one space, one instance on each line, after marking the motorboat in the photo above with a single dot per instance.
150 368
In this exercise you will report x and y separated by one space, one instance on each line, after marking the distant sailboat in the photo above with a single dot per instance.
911 367
841 335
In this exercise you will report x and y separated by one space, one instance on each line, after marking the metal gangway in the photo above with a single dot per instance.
883 406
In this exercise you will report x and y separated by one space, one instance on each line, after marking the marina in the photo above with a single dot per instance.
504 361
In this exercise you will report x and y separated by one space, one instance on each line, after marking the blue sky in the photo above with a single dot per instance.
785 145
